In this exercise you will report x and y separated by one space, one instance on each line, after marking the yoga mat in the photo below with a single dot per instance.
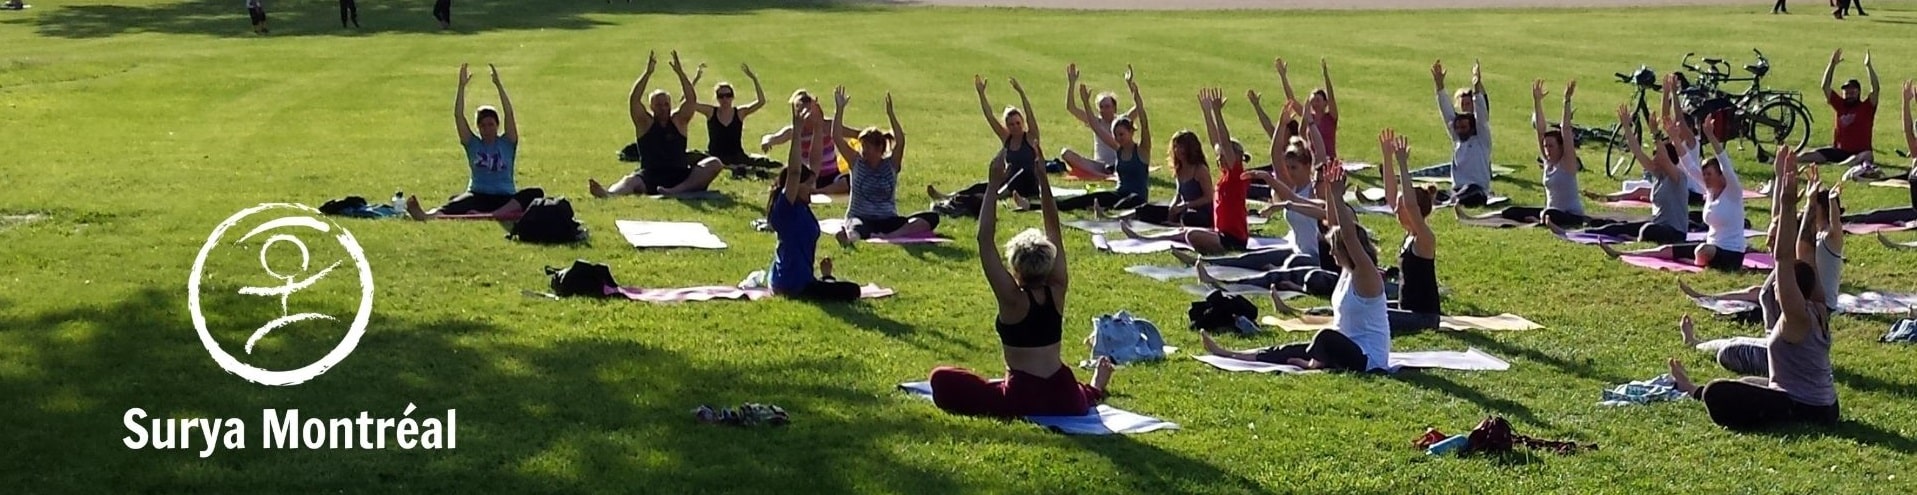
821 199
832 226
1752 261
1358 167
1898 183
669 234
1110 225
478 216
1894 244
1248 291
1369 195
1102 420
1072 174
1442 173
1169 273
1878 303
694 196
1470 359
1713 346
1496 223
1872 228
708 293
1506 321
1724 306
1140 246
1488 202
1634 186
1704 236
1589 238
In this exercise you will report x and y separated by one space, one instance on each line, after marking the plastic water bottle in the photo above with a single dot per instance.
1449 445
399 197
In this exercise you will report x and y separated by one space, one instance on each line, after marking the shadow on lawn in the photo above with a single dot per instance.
862 315
1582 367
228 18
1510 409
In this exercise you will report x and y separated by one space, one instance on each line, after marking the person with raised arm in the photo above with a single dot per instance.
1898 214
1557 146
1031 292
725 123
1856 119
789 214
661 131
1801 385
1670 206
1017 132
1300 267
1130 138
490 157
1470 131
1323 106
1230 231
1360 339
873 212
1104 161
1725 242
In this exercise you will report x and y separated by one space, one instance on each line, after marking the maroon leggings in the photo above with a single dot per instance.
963 391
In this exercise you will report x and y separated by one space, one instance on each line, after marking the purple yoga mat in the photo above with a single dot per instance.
1752 261
1872 228
708 293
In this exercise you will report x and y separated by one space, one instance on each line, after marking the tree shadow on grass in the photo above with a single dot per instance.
1508 408
1852 430
1156 470
1874 384
1582 367
864 315
227 18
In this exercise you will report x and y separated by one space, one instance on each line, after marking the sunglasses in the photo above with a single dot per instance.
725 95
805 101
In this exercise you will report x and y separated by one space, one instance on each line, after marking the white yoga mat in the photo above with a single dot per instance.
1248 291
1719 344
1468 360
1103 420
669 234
1881 303
1170 273
1141 246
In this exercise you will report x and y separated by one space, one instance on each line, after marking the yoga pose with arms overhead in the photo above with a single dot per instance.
1856 118
1898 214
1030 322
725 124
661 130
817 133
1558 147
1361 336
1017 131
789 213
1299 267
1470 131
1670 217
1104 161
1231 230
1322 108
1801 387
1130 139
874 210
1725 243
1821 239
490 156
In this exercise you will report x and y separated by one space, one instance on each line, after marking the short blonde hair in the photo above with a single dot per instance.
1032 256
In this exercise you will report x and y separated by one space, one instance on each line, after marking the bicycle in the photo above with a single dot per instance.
1766 118
1618 159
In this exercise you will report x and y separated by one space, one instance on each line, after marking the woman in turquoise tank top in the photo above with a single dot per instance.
1131 137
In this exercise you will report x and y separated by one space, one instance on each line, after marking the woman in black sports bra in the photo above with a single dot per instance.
725 125
1030 322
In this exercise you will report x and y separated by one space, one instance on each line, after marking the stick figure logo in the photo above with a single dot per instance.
292 283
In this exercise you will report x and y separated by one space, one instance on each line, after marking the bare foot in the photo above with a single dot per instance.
1688 329
1126 227
1683 380
1609 251
1687 290
1204 277
1019 201
597 190
825 267
934 193
413 209
1212 347
1186 257
1102 377
1278 302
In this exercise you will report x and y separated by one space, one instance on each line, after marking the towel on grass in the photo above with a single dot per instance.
1662 388
1102 420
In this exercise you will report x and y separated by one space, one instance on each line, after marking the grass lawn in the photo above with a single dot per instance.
130 130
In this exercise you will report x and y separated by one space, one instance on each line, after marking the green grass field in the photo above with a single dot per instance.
132 130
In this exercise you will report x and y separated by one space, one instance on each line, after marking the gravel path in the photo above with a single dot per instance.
1321 4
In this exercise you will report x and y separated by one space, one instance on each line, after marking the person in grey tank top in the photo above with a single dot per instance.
1670 201
873 212
1801 386
1562 204
1104 158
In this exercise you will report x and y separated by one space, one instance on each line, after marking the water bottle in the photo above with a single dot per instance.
1449 445
399 198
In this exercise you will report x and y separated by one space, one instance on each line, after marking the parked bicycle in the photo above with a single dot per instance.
1762 117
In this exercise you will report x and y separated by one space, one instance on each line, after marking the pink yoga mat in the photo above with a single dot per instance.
1752 261
832 227
1872 228
708 293
1627 203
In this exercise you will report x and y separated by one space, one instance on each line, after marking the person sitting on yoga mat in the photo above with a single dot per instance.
1801 386
1558 147
661 132
1856 118
1900 214
1823 242
1018 132
725 125
1105 161
490 156
1299 268
1471 139
1670 218
1725 243
1193 204
1130 139
1361 336
817 132
789 213
1031 319
1690 158
1231 230
874 212
1322 107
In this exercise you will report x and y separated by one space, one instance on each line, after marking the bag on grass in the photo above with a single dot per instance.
1220 310
548 221
1125 339
583 278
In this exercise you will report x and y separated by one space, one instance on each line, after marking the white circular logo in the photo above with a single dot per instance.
292 283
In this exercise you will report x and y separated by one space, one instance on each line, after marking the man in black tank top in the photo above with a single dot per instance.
661 130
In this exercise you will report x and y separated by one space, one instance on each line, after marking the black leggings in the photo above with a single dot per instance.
1020 182
1161 214
1642 232
1891 215
443 11
348 10
1561 218
1108 199
866 227
1747 404
1332 349
828 289
1778 7
1314 280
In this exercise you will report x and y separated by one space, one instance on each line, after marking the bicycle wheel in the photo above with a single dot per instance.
1618 159
1779 121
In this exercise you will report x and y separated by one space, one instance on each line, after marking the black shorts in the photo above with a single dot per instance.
471 202
1231 242
1723 260
258 14
657 178
866 227
1833 154
826 180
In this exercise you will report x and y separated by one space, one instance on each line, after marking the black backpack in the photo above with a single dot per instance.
342 205
630 153
963 205
583 278
548 221
1220 310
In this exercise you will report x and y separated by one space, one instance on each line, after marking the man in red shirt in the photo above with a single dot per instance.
1855 119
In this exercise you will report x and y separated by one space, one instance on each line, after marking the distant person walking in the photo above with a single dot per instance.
1780 8
257 11
443 11
348 10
